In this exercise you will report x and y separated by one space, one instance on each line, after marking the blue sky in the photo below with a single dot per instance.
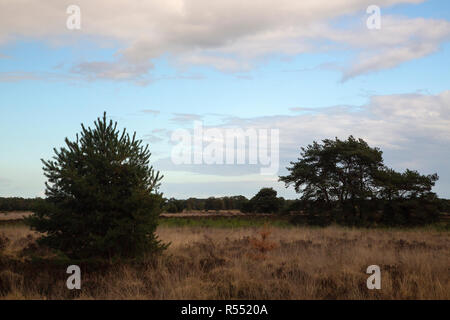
310 70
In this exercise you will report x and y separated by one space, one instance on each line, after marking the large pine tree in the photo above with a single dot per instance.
102 196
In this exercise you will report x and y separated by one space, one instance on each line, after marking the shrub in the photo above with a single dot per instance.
411 212
265 201
262 245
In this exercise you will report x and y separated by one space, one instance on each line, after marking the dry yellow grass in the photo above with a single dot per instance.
14 215
220 263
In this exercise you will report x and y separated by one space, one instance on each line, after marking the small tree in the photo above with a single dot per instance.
266 201
102 198
215 204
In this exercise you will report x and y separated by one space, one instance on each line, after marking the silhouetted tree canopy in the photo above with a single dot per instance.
350 178
335 170
265 201
212 203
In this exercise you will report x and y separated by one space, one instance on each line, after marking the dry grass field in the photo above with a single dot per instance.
14 215
245 263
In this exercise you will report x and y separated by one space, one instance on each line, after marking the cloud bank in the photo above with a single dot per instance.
413 130
230 36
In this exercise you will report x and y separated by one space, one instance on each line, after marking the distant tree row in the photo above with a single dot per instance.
18 204
265 201
173 205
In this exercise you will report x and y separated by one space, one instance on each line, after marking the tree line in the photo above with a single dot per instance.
265 201
18 204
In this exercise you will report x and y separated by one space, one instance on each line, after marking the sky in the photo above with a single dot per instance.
305 70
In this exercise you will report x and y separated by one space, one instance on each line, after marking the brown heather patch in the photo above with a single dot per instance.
219 263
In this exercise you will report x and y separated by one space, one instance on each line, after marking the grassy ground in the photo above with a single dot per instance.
14 215
225 222
245 263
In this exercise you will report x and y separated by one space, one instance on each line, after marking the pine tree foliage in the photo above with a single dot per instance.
350 179
102 196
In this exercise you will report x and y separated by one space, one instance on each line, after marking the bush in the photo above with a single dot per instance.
247 207
174 206
265 201
411 212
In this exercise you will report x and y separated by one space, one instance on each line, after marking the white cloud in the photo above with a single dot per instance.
121 70
412 129
399 40
389 121
185 117
228 35
15 76
152 138
151 111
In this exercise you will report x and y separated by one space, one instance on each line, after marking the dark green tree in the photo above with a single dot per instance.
266 201
173 205
102 196
349 178
336 170
215 204
408 196
238 202
407 185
